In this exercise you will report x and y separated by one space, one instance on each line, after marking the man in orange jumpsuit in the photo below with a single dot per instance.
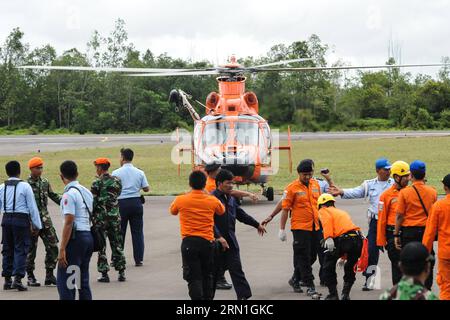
196 210
414 205
387 211
439 224
342 237
300 197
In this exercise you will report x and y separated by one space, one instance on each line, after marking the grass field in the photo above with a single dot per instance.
350 161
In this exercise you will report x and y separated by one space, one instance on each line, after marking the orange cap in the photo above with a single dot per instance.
102 161
35 162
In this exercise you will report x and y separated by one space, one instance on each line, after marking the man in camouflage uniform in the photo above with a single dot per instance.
415 264
42 191
106 189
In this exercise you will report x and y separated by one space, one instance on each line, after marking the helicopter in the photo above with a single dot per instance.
231 133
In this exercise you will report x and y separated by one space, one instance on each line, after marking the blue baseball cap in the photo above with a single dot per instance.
418 165
382 163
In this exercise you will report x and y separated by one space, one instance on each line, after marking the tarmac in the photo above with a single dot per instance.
267 262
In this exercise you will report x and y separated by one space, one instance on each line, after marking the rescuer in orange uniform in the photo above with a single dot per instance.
300 197
438 224
196 210
387 211
414 205
342 237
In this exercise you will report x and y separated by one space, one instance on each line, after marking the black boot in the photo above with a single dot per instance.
222 284
333 294
104 277
17 284
311 292
295 284
346 291
32 282
7 284
50 279
122 277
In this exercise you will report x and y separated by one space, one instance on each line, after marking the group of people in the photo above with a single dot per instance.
404 217
102 212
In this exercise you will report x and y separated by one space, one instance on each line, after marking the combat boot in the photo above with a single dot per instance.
295 285
333 294
103 278
32 281
7 284
17 284
222 284
311 292
122 277
50 279
346 291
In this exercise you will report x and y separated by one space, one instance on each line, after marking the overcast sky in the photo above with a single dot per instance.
359 31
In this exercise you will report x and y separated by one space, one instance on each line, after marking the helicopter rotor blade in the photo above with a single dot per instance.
105 69
351 67
173 74
280 63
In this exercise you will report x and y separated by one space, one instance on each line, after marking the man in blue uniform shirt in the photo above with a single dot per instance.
77 243
130 204
20 218
370 190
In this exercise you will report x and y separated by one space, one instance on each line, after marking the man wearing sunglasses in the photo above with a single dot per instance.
42 191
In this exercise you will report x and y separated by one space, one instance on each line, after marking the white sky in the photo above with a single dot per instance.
358 30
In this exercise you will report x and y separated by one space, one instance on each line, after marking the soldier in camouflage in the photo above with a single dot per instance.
415 264
42 191
106 189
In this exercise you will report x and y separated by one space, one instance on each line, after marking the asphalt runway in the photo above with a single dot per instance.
14 145
267 261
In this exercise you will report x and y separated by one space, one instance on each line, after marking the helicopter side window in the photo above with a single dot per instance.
265 145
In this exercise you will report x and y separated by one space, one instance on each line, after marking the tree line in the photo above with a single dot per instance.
34 101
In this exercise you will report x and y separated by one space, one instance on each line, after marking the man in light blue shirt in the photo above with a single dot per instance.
20 217
77 243
370 190
130 202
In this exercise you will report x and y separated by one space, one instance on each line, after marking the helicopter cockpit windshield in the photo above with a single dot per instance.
239 139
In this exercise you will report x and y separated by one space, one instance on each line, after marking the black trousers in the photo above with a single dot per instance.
351 246
413 234
132 211
394 256
307 248
316 252
231 260
198 267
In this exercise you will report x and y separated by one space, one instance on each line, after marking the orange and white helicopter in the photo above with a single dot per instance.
231 133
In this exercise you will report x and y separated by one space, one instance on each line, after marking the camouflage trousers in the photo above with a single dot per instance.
111 229
50 240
